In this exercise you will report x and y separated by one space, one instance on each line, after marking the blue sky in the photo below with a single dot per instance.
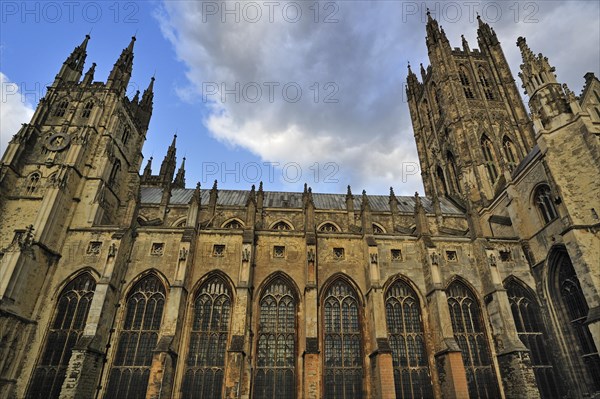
350 125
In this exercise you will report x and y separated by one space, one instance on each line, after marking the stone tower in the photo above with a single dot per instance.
71 171
469 122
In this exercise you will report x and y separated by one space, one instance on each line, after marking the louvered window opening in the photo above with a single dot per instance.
137 340
405 331
470 336
67 326
205 364
531 331
343 349
276 343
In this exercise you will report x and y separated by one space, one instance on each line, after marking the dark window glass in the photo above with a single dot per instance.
464 80
87 109
205 364
543 201
490 160
576 309
469 333
531 331
61 108
276 343
65 329
137 340
343 348
405 331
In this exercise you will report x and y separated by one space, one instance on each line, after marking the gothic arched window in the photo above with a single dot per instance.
405 331
125 135
328 228
205 364
343 361
453 171
442 179
137 340
33 182
464 80
469 333
116 168
281 226
61 108
575 310
485 83
377 229
530 328
544 204
510 152
276 343
234 224
65 329
87 109
490 161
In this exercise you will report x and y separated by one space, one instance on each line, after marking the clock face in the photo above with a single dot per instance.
58 142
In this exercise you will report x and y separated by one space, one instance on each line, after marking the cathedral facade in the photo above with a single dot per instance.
120 285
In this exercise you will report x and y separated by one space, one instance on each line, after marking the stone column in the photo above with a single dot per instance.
238 372
312 356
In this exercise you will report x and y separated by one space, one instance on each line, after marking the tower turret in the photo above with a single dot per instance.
121 72
72 68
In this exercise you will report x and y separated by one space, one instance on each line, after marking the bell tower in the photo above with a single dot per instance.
470 125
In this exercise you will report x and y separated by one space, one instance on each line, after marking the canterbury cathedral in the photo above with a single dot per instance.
121 284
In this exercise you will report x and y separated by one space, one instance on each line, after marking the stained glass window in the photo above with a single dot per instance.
137 340
469 332
343 350
65 329
205 364
530 328
576 309
276 343
405 331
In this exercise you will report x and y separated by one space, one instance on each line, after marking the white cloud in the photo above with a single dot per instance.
368 132
13 111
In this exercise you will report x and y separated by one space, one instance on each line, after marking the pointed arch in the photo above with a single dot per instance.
282 224
412 376
451 160
68 322
463 75
532 332
543 202
181 222
572 309
470 334
442 179
33 183
87 109
485 83
114 172
276 338
210 326
342 339
233 223
61 107
137 337
490 160
378 228
329 227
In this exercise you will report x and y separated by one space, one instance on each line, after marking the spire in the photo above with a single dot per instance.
465 44
349 199
196 196
433 31
212 197
260 196
167 168
72 68
420 217
485 33
251 196
147 170
121 72
423 72
179 181
365 205
412 81
136 98
148 96
89 75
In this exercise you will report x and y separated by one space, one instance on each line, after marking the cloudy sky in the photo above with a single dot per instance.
280 91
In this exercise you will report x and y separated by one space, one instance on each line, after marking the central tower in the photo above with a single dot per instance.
470 125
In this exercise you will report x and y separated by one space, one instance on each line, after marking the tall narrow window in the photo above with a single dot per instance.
490 160
65 329
87 109
453 171
485 83
469 333
442 179
125 136
531 331
575 310
543 201
405 331
137 340
276 343
61 108
510 152
114 172
464 80
343 354
33 182
205 364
